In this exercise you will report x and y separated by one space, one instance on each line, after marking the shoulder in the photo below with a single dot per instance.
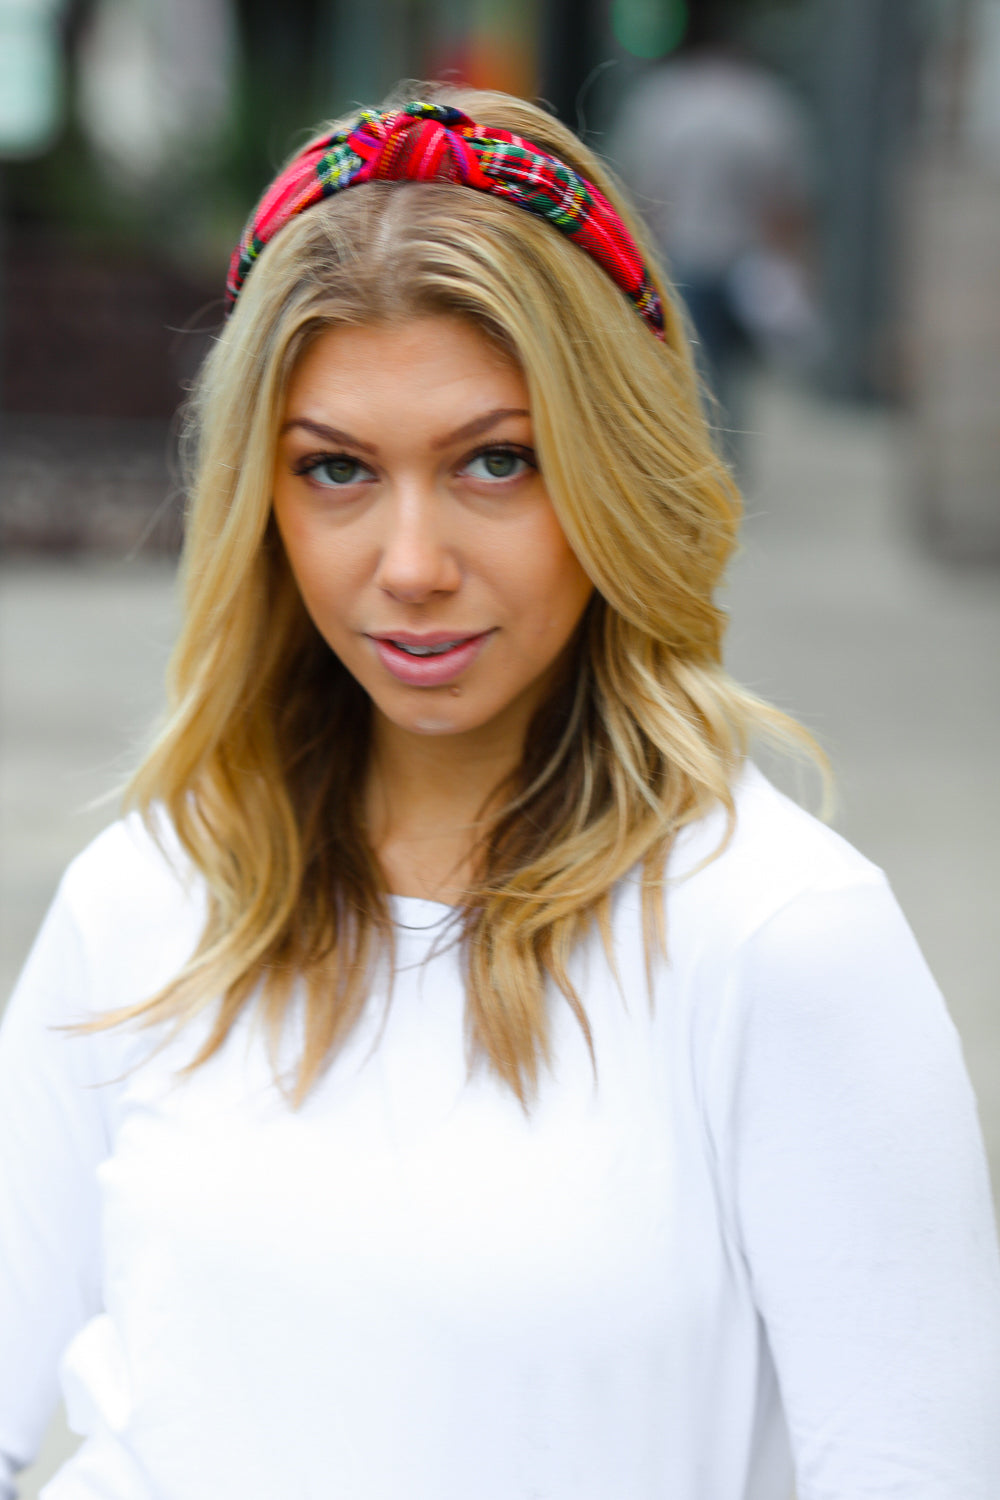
136 905
132 866
788 951
775 855
776 881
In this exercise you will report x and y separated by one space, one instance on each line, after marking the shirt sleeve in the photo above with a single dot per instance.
53 1137
860 1195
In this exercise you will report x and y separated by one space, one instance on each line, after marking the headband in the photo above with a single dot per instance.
437 143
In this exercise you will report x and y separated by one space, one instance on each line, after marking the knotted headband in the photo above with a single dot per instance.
437 143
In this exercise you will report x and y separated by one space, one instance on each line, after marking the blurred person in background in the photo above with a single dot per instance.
719 152
462 1073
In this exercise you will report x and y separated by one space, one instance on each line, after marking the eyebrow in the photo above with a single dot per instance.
468 430
328 434
481 424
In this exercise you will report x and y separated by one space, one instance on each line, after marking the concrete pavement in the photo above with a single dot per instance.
892 660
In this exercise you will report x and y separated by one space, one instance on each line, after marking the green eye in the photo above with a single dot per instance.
334 471
496 463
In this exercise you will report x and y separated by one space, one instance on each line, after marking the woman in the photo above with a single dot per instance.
487 1084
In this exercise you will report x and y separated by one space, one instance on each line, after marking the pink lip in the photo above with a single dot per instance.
428 671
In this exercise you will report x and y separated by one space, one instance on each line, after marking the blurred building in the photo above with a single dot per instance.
950 276
134 135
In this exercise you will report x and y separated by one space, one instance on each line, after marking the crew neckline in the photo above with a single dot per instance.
419 913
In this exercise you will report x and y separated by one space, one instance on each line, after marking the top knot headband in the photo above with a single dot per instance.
436 143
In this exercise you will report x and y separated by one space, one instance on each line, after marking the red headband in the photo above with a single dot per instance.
436 143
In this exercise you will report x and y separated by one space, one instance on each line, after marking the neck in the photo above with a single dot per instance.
428 799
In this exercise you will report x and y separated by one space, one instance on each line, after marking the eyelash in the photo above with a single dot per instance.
313 461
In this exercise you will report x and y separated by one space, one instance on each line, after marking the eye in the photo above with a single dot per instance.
498 464
334 469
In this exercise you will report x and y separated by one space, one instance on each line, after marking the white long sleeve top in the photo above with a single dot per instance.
760 1244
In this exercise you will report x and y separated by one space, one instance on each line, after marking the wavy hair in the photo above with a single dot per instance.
266 743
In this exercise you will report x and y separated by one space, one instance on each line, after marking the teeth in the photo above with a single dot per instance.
426 650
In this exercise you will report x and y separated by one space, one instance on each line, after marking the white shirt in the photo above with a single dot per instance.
763 1234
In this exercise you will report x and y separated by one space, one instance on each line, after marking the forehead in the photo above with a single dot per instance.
430 360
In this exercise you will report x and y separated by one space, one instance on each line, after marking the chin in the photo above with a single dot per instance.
437 715
433 723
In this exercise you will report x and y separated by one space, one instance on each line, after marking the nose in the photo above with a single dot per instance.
417 558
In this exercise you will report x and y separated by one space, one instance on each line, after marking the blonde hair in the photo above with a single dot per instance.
264 752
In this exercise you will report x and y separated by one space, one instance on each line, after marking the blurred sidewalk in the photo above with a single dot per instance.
83 646
891 659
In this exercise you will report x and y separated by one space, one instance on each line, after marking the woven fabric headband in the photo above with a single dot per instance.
436 143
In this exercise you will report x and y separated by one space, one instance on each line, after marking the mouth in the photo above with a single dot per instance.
429 650
428 660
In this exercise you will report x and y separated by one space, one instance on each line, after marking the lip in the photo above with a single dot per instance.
428 671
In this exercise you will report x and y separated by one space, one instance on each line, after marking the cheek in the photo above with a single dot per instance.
557 588
312 583
317 568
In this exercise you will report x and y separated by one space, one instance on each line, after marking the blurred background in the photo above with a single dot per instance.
823 177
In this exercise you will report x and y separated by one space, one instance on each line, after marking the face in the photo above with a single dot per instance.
418 527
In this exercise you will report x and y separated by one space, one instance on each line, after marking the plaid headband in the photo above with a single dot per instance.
436 143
